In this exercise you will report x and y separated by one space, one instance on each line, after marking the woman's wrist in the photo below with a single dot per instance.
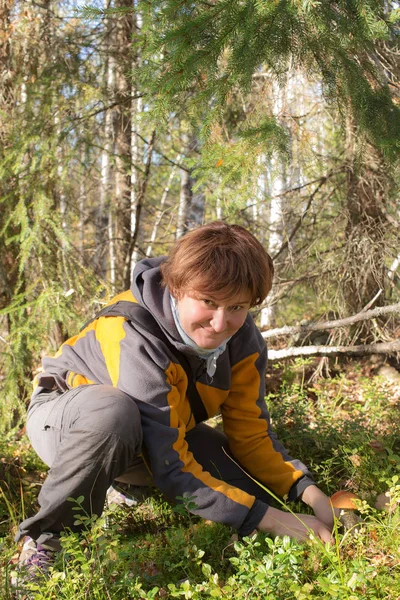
266 522
312 494
320 504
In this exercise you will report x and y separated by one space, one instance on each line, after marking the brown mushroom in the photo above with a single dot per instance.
344 501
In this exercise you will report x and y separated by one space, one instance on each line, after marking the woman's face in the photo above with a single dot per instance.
211 319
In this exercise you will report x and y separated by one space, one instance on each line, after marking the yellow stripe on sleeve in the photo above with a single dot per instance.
176 376
248 433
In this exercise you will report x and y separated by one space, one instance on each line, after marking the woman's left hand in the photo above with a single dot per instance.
321 505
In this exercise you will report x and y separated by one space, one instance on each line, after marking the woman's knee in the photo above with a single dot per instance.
107 410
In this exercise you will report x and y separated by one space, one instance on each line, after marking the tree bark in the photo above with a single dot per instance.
363 269
186 193
137 178
102 233
6 76
124 113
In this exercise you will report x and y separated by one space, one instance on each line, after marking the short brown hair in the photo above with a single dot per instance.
219 257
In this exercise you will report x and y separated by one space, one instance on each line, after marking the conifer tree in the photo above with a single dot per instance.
41 270
213 46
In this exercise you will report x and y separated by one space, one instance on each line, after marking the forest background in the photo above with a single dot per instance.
125 123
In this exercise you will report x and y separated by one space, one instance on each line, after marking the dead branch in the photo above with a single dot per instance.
301 218
304 329
382 348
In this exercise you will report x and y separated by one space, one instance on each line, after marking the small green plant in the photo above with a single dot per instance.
185 506
153 550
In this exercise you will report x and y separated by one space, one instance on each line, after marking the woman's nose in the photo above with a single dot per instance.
219 321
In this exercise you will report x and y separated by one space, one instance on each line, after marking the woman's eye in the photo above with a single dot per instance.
236 308
208 302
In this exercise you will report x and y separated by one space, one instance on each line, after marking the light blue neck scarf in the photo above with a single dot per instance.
209 355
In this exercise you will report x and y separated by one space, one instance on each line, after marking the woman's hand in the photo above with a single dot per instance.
296 526
320 503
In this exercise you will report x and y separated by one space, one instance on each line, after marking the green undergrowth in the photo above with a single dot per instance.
345 428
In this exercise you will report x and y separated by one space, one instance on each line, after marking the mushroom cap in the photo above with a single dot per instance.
344 499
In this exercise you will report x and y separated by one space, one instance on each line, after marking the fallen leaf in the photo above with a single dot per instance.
355 460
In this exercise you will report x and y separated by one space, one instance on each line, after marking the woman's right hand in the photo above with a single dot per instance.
297 526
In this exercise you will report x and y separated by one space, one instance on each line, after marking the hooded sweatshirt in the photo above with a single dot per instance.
114 351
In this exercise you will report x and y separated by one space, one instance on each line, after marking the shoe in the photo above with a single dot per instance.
34 562
128 494
117 496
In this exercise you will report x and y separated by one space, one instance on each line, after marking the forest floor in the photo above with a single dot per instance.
346 427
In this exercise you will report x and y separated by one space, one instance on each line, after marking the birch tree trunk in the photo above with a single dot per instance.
219 213
185 201
137 159
185 196
276 183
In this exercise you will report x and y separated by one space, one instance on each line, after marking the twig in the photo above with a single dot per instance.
371 302
301 218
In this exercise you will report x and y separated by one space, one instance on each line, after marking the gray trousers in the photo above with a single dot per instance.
90 436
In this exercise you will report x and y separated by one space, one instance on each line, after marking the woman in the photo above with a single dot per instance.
124 399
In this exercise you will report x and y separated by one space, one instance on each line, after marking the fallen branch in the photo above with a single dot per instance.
382 348
304 329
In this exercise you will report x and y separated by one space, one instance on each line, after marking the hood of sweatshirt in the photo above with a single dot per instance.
148 290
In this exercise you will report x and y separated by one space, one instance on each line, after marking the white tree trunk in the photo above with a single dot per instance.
137 151
185 197
393 267
185 201
275 182
276 224
218 209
